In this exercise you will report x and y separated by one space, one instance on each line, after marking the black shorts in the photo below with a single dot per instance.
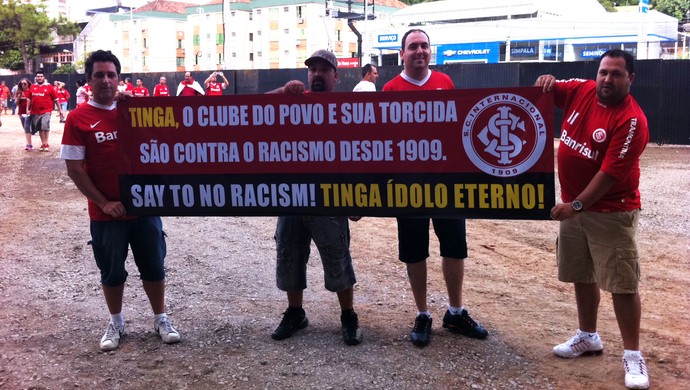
413 238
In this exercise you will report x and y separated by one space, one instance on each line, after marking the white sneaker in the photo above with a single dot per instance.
580 344
165 329
111 338
636 376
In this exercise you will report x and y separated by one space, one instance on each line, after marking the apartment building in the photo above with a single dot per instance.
233 34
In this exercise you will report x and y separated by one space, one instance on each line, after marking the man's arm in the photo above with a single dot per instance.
225 81
76 172
292 87
209 79
600 184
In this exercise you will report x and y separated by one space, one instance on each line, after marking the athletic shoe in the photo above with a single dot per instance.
29 147
164 328
636 375
45 148
294 319
111 338
421 332
350 327
580 344
464 324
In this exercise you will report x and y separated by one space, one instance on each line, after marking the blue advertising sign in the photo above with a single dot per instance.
463 52
388 38
528 51
592 53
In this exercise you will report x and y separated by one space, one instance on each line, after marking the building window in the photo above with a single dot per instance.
251 37
286 31
258 33
258 54
196 40
143 61
145 44
179 44
179 61
208 37
220 38
258 12
233 34
251 56
286 9
286 53
251 16
232 13
234 55
299 11
220 58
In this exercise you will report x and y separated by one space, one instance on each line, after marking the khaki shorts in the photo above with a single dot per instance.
600 248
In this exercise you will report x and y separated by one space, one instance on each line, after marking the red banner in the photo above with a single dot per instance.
483 153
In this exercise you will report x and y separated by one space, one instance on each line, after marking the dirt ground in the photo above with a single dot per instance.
223 300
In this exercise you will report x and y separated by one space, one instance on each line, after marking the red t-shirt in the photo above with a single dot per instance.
42 98
214 89
63 95
22 101
140 91
161 90
434 80
91 135
596 137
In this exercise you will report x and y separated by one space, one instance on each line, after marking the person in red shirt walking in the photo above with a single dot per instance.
140 90
63 99
161 89
42 96
213 87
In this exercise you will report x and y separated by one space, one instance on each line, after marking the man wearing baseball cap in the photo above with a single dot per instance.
330 234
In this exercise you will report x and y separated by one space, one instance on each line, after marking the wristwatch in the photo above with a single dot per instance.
576 205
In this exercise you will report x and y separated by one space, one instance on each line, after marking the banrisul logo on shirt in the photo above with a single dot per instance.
504 134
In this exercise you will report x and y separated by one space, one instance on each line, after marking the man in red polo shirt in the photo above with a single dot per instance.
42 97
213 87
140 90
161 89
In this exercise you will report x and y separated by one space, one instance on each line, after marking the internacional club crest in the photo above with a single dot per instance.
504 134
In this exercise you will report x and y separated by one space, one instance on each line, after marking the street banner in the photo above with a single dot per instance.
476 153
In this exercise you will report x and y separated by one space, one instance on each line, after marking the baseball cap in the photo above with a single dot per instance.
324 55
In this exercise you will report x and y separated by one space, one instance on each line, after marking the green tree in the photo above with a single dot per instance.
25 27
676 8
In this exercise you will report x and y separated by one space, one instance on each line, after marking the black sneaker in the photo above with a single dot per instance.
464 324
350 326
421 332
294 319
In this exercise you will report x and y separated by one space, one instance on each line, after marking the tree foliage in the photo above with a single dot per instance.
26 27
677 8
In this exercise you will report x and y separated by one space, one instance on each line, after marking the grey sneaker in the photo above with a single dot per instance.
111 338
165 329
636 376
578 345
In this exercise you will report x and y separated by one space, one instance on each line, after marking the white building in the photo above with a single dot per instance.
523 30
230 34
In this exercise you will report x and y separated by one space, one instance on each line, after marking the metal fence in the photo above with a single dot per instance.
661 87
